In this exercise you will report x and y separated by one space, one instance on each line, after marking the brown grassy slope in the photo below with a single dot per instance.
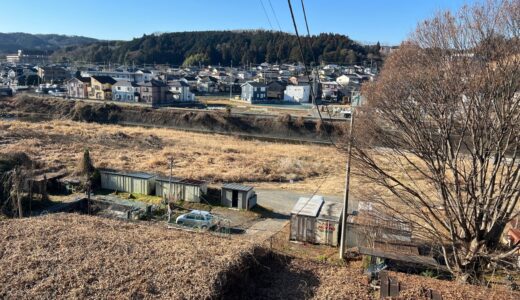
73 256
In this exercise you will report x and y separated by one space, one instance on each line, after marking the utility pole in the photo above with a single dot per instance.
347 190
231 82
170 179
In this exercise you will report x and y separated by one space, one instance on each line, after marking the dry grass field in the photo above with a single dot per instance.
70 256
211 157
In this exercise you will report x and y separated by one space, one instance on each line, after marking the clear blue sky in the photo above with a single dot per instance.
388 21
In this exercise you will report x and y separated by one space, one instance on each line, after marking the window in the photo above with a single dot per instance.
263 89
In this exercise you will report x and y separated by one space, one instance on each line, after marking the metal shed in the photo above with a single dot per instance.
130 182
303 218
238 196
328 223
182 189
365 228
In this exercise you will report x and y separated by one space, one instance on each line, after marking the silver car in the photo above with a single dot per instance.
197 218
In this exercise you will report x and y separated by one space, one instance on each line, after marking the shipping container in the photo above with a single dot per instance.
303 219
182 189
328 223
129 182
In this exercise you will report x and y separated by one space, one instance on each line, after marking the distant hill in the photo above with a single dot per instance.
39 43
224 47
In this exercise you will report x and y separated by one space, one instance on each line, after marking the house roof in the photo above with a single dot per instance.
331 211
308 207
140 175
237 187
181 180
255 84
104 79
126 83
178 83
154 83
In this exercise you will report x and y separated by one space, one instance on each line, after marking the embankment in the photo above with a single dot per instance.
283 127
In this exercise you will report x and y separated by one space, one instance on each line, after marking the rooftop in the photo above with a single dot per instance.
308 207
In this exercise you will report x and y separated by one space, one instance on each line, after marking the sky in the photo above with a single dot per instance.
366 21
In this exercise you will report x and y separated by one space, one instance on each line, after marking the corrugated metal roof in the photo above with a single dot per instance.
237 187
181 180
141 175
331 211
408 258
308 207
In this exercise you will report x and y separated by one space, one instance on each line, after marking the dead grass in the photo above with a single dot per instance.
216 158
75 257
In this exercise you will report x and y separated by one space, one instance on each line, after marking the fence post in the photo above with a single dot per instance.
384 290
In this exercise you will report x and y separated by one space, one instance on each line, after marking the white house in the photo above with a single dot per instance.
181 91
297 93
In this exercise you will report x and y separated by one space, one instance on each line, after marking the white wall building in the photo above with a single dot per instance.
297 93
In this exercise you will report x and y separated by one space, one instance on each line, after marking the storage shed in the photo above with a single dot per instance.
182 189
328 223
238 196
303 219
130 182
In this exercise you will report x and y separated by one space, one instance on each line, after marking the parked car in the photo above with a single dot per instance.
197 218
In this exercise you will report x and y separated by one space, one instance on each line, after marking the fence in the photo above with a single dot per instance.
391 287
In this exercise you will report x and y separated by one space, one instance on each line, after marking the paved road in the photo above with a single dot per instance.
282 201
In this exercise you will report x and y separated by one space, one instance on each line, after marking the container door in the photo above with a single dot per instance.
309 232
234 199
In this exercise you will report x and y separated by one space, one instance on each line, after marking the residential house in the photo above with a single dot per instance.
117 75
253 92
330 90
191 81
155 92
143 76
101 87
77 87
275 90
126 91
297 93
52 74
207 84
181 91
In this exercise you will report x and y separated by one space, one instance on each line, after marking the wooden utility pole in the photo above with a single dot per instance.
170 179
347 190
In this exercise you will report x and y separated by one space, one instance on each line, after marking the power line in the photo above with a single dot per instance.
275 17
313 92
310 49
266 15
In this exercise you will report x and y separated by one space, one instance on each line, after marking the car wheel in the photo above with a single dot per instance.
179 223
204 227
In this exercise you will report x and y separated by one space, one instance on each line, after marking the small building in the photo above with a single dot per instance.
182 189
297 93
129 182
77 87
328 223
238 196
125 91
275 90
303 219
254 92
101 87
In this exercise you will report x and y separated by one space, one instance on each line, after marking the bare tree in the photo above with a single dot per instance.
441 133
